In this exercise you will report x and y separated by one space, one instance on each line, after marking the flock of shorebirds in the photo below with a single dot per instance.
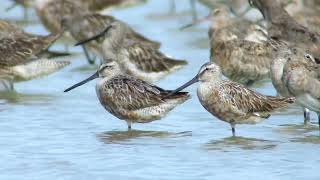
283 46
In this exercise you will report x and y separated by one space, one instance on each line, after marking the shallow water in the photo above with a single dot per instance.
47 134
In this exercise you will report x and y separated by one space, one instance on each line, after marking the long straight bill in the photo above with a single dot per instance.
94 76
189 83
195 22
94 37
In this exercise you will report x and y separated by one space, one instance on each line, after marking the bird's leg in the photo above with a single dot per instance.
194 10
66 47
306 114
172 6
129 125
233 129
319 119
25 14
86 53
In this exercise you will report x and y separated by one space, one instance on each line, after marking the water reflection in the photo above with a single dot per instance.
115 137
244 143
313 139
297 129
18 98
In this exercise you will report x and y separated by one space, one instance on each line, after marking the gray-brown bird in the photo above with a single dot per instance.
232 102
282 26
134 57
131 99
87 25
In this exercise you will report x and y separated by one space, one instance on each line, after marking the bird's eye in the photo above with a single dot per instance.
307 56
106 67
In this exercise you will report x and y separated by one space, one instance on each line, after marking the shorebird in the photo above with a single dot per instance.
282 26
244 60
85 26
135 58
230 101
276 72
305 13
239 47
51 12
129 98
19 61
10 29
301 78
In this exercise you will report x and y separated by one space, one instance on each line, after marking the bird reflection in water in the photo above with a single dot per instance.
111 137
238 142
297 129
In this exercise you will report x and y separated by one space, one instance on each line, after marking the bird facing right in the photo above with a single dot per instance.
230 101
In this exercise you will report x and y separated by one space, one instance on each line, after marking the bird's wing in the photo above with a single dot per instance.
149 59
129 93
19 49
249 101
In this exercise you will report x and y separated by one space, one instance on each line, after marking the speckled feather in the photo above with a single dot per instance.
129 93
19 48
135 100
249 101
283 27
243 61
302 78
51 13
148 59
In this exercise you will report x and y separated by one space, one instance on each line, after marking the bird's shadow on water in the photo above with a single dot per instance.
238 142
126 137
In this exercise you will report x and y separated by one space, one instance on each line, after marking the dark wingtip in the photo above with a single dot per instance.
173 95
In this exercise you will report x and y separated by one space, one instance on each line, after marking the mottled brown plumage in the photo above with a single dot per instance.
301 78
239 47
97 5
149 60
19 48
134 57
132 99
283 27
51 12
88 25
243 61
232 102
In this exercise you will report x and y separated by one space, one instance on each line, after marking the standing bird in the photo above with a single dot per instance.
132 99
134 57
282 26
279 70
51 12
301 78
9 29
19 60
232 102
239 47
87 25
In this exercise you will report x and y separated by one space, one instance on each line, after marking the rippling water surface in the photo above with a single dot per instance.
47 134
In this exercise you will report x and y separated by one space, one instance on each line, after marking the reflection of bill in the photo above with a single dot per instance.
6 85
